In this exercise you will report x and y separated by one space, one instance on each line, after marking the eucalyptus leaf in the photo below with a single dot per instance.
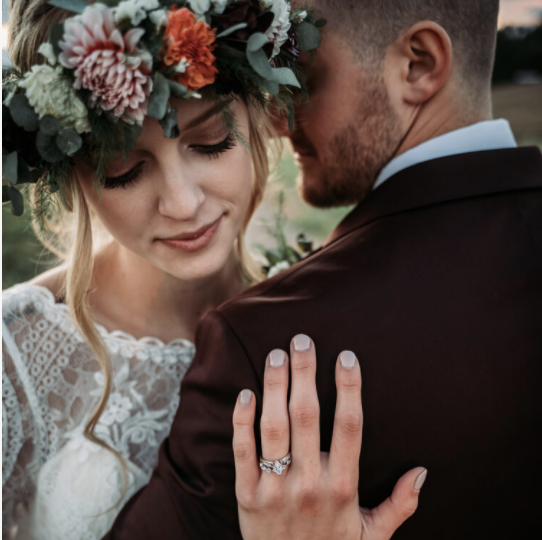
55 36
290 112
5 194
47 148
131 133
69 141
308 36
256 42
272 88
284 76
260 63
75 6
53 186
158 101
231 30
320 23
9 168
49 125
170 125
177 90
23 114
17 202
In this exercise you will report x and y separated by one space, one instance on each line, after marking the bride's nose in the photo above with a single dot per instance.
180 198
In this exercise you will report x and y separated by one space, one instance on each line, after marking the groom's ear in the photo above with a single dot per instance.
421 60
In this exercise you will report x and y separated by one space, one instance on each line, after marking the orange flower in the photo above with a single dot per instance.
193 41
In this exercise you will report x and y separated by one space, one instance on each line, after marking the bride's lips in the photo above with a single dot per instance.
193 241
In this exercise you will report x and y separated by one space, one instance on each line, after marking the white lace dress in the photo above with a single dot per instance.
50 384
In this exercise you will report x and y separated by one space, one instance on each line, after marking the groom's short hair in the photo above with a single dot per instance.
372 25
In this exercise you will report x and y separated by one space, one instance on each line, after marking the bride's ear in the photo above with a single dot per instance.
420 62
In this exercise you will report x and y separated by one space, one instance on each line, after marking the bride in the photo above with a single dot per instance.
150 227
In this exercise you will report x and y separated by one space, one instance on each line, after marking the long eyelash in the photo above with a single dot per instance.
214 150
125 180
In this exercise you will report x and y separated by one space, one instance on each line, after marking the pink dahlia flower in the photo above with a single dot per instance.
108 63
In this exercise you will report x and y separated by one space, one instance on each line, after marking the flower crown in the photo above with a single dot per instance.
115 62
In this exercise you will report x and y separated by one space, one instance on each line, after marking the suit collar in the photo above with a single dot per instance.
447 179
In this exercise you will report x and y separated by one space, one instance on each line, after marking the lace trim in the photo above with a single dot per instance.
116 335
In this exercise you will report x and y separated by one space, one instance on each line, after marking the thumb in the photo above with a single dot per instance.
382 522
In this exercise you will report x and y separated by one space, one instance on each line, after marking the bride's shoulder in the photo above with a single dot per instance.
33 305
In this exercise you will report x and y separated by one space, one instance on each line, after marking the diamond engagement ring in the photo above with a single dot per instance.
275 466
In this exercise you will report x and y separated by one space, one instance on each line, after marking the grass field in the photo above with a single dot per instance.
23 258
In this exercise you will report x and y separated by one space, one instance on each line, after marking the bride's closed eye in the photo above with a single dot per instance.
212 151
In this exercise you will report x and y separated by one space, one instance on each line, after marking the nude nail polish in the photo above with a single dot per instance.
302 343
420 480
246 398
276 358
348 359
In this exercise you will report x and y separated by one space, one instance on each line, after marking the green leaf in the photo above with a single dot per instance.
284 76
272 88
23 114
177 90
69 141
5 194
231 30
75 6
274 256
9 168
53 186
17 202
170 125
256 42
55 36
131 133
47 148
260 63
49 125
320 23
308 36
158 101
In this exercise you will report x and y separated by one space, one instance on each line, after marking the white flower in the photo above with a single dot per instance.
300 17
117 410
46 49
201 7
51 94
181 66
279 267
278 31
134 10
158 18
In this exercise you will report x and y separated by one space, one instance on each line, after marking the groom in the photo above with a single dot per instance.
434 280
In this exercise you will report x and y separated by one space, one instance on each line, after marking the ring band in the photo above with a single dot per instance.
275 466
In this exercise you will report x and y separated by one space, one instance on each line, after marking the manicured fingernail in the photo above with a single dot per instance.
302 342
276 358
348 359
246 398
420 480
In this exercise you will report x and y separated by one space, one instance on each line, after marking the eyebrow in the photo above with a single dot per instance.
204 116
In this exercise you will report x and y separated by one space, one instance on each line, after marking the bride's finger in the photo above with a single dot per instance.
348 424
247 471
275 423
384 520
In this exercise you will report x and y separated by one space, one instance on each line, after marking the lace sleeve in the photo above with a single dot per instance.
22 431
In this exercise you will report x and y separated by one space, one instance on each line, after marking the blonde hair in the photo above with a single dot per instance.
68 230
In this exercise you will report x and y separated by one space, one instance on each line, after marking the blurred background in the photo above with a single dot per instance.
517 96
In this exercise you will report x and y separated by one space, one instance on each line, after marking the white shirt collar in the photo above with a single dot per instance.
488 135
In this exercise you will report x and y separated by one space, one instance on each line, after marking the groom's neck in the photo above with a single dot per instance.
446 112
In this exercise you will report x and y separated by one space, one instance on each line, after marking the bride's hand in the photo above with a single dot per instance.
316 497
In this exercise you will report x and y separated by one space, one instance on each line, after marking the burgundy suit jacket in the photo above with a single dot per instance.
435 282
